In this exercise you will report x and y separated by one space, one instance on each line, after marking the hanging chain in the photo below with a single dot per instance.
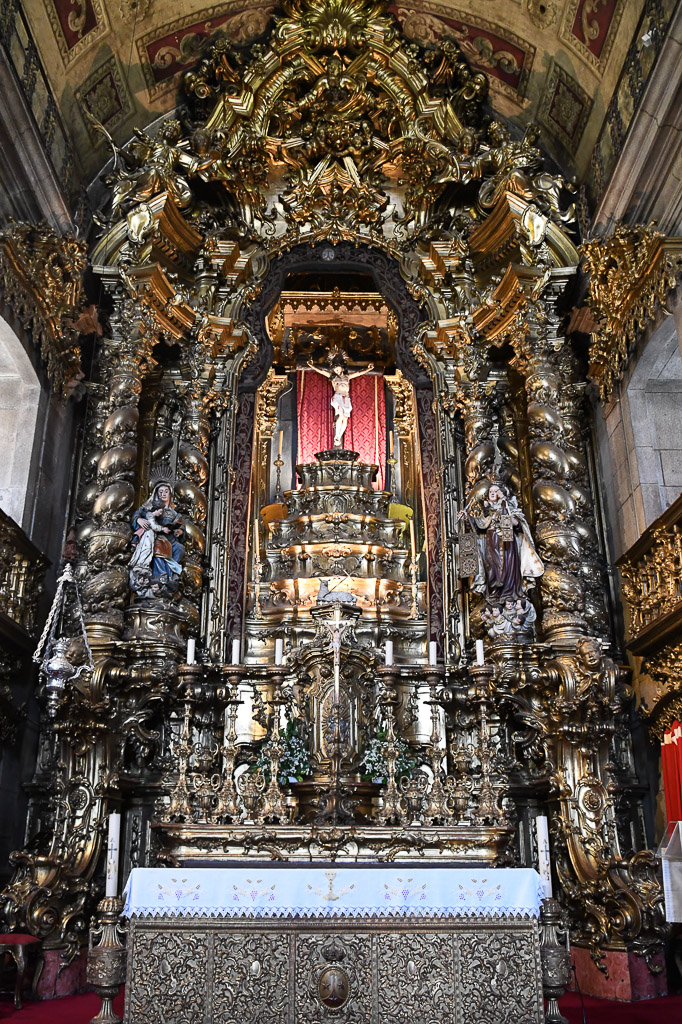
47 637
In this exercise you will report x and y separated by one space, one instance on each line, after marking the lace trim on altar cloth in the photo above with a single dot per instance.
328 912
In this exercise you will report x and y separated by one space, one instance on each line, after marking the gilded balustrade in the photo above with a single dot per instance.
652 586
652 582
22 568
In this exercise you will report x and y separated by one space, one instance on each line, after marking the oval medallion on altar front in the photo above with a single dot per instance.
333 987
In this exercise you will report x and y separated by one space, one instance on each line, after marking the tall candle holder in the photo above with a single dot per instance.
227 806
437 808
107 957
414 611
391 806
392 462
334 802
179 806
274 807
257 566
489 789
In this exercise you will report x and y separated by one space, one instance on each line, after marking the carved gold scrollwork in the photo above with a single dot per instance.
631 273
41 274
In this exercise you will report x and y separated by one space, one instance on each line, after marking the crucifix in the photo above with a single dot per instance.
340 381
332 802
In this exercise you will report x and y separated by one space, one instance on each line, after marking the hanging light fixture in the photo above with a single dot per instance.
51 653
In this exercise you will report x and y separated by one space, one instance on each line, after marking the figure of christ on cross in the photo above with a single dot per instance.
341 398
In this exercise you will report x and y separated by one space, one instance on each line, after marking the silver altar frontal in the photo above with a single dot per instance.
306 945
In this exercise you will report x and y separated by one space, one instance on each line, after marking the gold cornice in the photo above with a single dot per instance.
631 273
336 300
495 318
500 237
41 274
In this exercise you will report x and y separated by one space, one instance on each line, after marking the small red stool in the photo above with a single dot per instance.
18 945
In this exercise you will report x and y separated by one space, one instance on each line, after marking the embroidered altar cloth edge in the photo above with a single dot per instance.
312 892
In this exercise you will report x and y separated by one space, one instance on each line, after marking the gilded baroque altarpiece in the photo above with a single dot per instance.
336 197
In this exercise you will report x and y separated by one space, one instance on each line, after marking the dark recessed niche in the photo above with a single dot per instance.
326 281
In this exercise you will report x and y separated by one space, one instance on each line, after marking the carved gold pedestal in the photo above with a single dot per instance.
195 844
107 957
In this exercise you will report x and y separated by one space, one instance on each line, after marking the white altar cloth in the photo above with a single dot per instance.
311 892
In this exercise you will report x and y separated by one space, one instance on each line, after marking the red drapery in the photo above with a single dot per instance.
671 756
366 431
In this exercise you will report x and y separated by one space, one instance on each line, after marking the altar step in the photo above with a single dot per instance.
81 1009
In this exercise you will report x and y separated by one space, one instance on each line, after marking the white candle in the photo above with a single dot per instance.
433 652
236 652
279 651
544 865
279 449
389 652
390 443
112 854
191 650
337 684
413 546
480 659
256 539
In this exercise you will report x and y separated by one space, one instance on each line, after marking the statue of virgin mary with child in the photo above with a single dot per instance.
158 542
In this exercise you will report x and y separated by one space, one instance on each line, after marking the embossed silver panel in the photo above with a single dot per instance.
284 971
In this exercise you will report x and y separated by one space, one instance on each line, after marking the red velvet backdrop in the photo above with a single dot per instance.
671 756
366 431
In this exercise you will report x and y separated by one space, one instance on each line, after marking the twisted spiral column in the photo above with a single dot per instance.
558 541
105 593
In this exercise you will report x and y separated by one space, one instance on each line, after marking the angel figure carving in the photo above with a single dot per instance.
151 165
341 404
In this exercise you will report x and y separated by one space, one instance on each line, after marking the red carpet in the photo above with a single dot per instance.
81 1010
603 1011
69 1010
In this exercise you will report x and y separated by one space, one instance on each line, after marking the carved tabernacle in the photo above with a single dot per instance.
337 534
310 972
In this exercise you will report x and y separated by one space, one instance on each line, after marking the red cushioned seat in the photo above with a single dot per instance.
18 945
17 939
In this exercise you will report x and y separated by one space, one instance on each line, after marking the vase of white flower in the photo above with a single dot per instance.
374 765
294 764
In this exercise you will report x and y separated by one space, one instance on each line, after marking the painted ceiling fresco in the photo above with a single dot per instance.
554 61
